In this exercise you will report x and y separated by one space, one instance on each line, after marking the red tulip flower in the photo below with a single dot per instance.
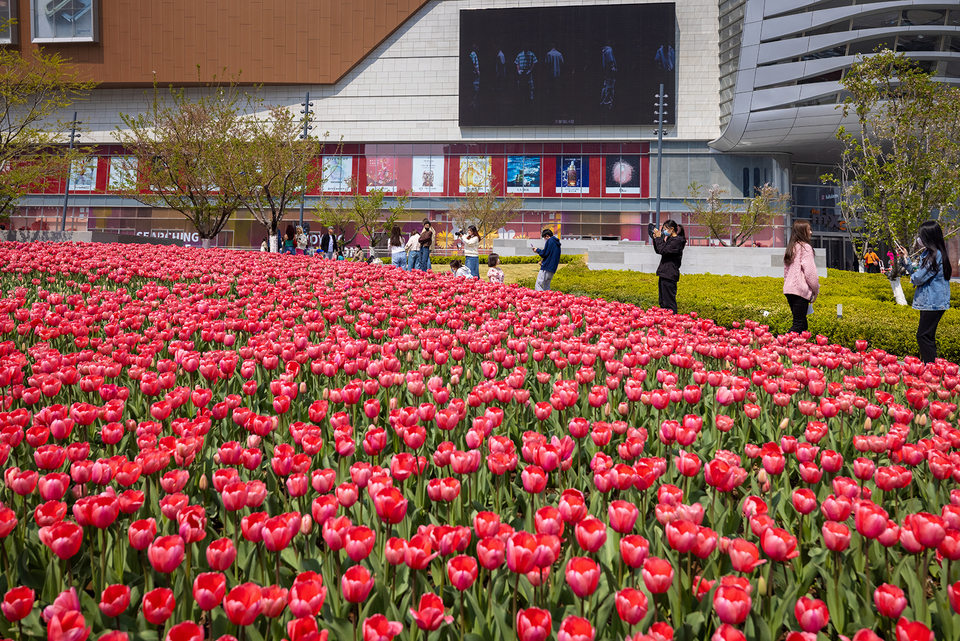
836 536
242 604
732 604
778 544
533 624
158 605
744 555
276 533
634 550
378 628
430 615
623 516
186 631
462 571
359 543
491 552
273 600
115 600
657 575
913 631
17 603
209 589
390 504
591 534
631 605
166 553
520 550
727 632
68 626
356 584
64 539
575 628
221 554
306 597
682 535
890 601
582 576
812 614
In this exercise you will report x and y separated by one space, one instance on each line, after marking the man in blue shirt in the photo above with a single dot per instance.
525 61
550 255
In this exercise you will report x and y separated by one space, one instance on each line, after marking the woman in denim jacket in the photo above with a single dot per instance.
931 276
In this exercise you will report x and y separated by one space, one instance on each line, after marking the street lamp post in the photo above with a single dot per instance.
661 120
66 191
306 104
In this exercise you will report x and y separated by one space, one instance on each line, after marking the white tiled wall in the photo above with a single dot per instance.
406 89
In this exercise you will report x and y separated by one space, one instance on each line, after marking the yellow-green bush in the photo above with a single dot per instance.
869 311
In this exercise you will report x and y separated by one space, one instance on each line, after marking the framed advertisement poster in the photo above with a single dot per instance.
523 174
65 20
337 173
427 175
123 173
382 174
83 175
476 173
622 175
573 175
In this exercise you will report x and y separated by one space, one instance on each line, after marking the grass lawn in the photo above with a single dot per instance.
511 273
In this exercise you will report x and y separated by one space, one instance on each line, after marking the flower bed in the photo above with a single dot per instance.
215 445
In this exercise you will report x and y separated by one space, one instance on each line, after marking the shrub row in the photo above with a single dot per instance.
507 260
869 310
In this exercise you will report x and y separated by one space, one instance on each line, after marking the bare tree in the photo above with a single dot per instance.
730 225
181 147
272 167
487 210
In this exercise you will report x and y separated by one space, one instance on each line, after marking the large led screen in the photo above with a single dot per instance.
587 65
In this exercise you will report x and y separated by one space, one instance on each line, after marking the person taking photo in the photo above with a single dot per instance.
471 251
930 273
669 243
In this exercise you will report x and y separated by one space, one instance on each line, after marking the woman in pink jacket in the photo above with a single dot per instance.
800 281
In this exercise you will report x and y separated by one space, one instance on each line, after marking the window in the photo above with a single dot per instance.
8 12
746 182
919 17
876 20
869 46
64 20
919 42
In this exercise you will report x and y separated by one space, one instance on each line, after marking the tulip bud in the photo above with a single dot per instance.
468 374
216 458
623 409
203 482
922 420
784 423
253 441
762 476
326 393
454 380
303 388
606 409
393 403
409 357
762 586
306 524
867 424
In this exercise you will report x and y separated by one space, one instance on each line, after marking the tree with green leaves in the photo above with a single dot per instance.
183 146
273 166
734 226
901 164
487 210
336 214
34 86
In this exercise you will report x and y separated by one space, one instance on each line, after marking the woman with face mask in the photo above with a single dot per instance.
669 243
930 273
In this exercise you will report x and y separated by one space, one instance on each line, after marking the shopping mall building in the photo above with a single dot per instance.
555 101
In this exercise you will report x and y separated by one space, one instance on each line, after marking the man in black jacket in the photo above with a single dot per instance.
669 244
328 244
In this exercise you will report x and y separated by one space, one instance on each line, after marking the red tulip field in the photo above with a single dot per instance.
201 445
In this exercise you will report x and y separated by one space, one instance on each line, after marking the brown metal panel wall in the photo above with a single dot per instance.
269 41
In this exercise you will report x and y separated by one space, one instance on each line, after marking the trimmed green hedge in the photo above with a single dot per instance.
507 260
869 311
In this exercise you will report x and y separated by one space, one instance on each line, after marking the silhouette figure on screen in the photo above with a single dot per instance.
609 63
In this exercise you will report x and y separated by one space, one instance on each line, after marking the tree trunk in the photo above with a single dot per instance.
898 291
206 243
274 243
